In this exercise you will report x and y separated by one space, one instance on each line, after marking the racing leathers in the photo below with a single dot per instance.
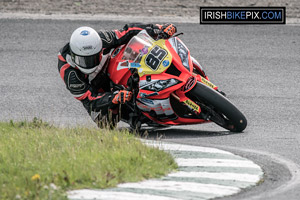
94 90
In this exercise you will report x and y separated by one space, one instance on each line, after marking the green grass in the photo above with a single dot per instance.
39 161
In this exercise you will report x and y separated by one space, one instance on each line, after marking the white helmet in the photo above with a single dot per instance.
85 44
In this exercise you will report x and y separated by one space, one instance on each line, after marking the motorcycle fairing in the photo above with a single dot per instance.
159 106
152 59
152 55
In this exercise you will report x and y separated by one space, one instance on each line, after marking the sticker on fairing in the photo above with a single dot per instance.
192 105
146 100
144 95
144 51
166 63
155 57
127 65
134 65
208 83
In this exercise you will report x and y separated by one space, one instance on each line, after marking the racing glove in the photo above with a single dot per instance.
122 96
167 31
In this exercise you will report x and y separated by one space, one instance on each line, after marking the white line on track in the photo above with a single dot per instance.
204 162
180 147
95 194
220 176
183 186
187 181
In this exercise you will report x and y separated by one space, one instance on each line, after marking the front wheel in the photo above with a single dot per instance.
217 108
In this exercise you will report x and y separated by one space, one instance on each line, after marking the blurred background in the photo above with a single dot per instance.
188 9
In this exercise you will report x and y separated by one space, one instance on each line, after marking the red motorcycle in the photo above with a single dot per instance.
169 86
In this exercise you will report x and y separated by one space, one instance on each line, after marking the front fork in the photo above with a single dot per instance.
190 84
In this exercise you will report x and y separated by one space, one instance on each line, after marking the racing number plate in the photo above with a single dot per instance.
155 57
157 60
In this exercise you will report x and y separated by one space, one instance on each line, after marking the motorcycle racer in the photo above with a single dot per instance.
83 61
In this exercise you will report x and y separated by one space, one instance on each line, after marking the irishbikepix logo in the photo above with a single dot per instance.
242 15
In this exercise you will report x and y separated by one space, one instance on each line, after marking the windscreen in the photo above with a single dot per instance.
137 47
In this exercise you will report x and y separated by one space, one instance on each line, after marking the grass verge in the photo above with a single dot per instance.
39 161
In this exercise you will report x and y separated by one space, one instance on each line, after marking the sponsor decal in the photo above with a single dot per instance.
127 65
158 107
206 82
77 86
166 63
85 32
146 100
192 105
242 15
135 65
87 47
144 95
144 51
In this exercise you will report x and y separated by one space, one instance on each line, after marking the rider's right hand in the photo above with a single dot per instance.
167 31
122 97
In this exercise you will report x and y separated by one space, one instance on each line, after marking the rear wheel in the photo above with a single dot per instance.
217 108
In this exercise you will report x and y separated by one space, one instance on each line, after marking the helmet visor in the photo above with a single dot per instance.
86 62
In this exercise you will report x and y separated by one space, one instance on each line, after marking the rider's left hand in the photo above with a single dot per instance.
122 97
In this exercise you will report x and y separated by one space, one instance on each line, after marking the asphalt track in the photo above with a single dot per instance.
257 66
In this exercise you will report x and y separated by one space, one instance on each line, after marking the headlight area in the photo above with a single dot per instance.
181 50
183 54
159 85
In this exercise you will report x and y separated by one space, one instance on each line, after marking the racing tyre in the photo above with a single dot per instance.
217 108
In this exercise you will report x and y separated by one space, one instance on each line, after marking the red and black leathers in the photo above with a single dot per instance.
94 90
